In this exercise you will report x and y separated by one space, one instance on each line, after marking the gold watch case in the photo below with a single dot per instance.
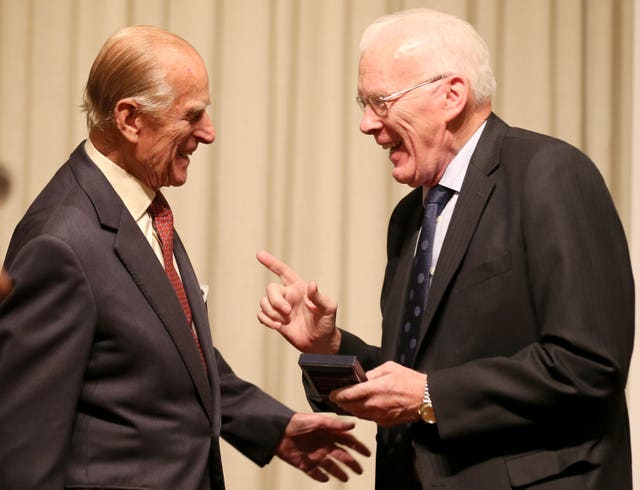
426 413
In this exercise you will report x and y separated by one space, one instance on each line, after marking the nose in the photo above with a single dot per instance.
370 121
205 132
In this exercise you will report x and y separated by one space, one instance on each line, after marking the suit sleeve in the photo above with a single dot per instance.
46 332
579 279
252 421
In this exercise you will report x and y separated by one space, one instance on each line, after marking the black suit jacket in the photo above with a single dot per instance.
102 384
528 330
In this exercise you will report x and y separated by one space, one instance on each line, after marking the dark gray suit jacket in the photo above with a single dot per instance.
102 384
528 329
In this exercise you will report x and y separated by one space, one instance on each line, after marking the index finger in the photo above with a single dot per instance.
348 440
279 268
351 393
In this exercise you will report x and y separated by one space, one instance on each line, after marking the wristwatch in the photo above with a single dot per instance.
426 409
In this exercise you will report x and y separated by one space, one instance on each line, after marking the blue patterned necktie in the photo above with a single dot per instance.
396 450
418 289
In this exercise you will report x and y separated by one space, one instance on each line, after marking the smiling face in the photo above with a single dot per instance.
164 143
414 129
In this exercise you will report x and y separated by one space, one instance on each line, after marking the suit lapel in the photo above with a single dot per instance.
475 192
405 224
200 316
147 272
143 266
471 202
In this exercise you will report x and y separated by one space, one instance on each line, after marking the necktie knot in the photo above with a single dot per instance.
163 223
159 208
439 195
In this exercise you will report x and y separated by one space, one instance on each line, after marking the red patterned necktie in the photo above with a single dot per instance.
163 223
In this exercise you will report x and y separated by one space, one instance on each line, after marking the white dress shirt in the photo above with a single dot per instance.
452 178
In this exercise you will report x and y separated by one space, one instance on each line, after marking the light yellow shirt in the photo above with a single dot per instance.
135 195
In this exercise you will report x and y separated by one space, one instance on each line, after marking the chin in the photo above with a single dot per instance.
178 177
403 177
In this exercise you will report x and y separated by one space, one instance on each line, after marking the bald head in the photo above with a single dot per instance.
133 64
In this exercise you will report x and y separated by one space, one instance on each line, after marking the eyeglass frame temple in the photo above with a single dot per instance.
391 97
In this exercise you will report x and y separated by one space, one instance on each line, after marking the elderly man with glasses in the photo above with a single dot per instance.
508 295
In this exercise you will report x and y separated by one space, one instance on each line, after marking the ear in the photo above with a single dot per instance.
127 119
457 97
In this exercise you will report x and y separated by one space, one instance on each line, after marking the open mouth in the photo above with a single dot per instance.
392 146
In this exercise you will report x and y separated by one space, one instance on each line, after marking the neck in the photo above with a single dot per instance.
467 123
459 131
105 144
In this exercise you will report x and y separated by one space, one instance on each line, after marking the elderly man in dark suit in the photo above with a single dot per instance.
508 298
109 377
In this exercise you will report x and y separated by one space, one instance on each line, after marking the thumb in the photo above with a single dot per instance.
320 302
383 370
304 423
330 423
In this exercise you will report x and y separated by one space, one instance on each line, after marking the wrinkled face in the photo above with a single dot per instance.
166 142
414 128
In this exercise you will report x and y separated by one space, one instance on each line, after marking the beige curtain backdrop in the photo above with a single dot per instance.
289 170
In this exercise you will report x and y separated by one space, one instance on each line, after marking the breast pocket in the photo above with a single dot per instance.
483 272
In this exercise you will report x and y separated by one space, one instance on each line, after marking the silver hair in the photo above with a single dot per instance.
129 65
452 46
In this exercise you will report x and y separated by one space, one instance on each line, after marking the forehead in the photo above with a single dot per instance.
188 76
391 64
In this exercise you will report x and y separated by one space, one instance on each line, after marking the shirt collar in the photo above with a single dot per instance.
135 195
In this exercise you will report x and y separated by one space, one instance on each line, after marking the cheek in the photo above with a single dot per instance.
165 150
412 139
408 126
423 136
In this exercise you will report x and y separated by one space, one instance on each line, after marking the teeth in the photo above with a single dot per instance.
391 146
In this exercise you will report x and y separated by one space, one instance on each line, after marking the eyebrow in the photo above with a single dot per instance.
193 111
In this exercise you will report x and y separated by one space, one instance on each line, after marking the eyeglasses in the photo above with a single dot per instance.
379 104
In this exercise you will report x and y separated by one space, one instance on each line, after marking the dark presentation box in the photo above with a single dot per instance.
327 372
